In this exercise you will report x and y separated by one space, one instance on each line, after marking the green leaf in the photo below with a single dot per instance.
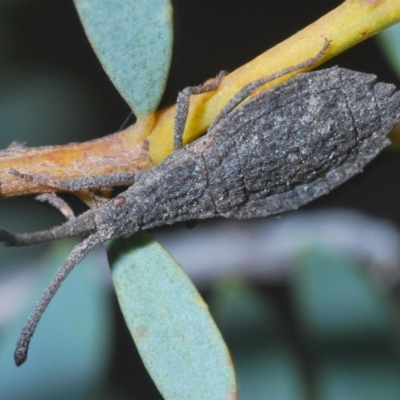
170 323
133 41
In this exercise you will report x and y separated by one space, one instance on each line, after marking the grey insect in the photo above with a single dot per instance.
276 152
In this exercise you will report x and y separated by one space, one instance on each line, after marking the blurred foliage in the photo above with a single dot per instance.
71 349
261 349
349 325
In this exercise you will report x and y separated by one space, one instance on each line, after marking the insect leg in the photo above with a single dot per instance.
98 201
183 102
253 86
71 185
76 255
58 203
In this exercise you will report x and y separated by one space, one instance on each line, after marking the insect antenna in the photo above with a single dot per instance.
79 226
76 255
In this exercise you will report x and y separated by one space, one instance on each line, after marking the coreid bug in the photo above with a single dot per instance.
276 152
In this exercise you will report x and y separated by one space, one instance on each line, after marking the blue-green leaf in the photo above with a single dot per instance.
170 323
133 41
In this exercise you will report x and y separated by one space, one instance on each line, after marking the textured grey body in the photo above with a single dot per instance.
275 153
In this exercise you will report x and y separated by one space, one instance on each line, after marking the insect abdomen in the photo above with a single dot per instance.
279 151
290 145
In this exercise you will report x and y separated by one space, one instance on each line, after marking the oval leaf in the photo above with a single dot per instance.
133 41
170 323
